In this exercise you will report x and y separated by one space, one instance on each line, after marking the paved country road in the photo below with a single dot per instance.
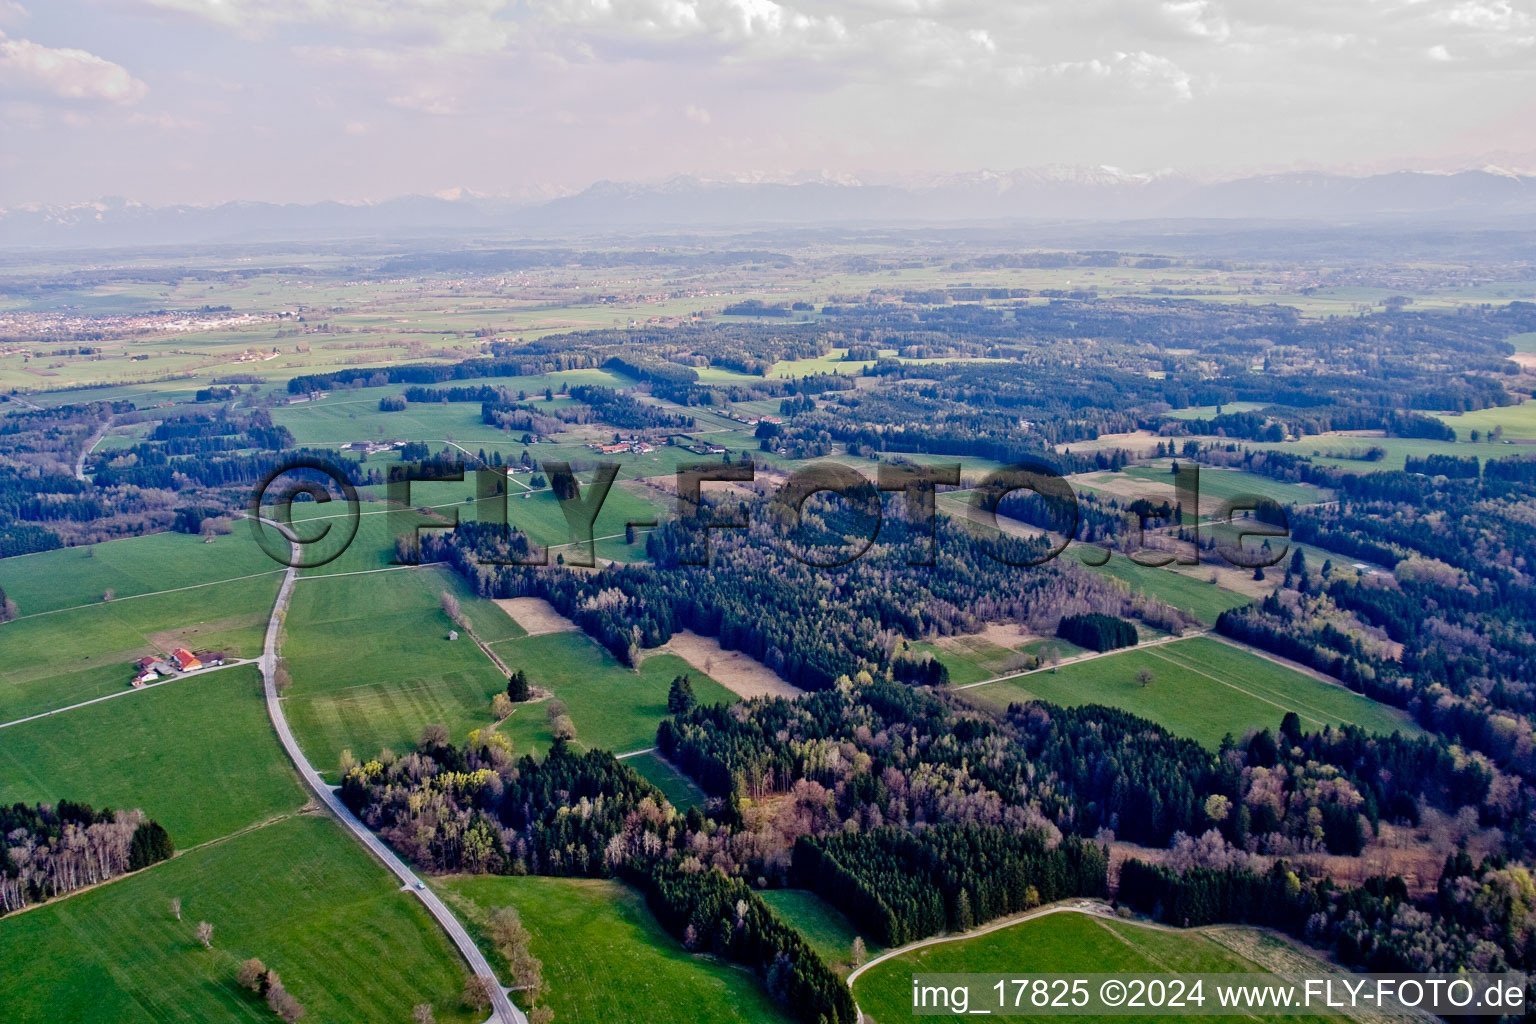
502 1009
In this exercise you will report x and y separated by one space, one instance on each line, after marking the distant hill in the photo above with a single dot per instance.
1490 196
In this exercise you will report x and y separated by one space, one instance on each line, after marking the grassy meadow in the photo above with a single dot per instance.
197 755
588 930
681 791
69 577
614 707
1201 688
372 665
54 660
300 894
825 927
1057 943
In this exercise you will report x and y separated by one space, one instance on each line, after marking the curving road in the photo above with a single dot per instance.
502 1009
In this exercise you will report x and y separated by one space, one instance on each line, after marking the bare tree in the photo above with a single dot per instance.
562 728
249 974
176 906
477 992
434 736
451 608
205 934
1144 676
282 678
285 1005
858 951
541 1015
421 1013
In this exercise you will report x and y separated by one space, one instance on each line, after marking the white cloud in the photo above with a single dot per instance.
427 100
70 74
461 26
1128 76
724 21
696 114
167 122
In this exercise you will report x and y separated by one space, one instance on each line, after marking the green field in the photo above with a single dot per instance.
352 414
605 958
1218 486
1189 590
1205 412
825 927
1518 421
613 706
69 577
1064 943
58 659
300 894
1201 688
970 659
197 755
372 665
1398 449
681 791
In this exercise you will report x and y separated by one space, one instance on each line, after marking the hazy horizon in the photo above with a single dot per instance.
205 101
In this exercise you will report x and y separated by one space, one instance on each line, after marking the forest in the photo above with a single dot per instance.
48 851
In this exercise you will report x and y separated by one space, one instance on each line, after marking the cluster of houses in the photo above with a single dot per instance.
372 447
635 446
178 661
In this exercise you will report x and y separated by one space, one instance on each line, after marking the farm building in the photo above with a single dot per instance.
185 659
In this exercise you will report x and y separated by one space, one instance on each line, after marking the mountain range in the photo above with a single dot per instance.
1490 196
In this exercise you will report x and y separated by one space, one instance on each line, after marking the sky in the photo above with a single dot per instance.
203 101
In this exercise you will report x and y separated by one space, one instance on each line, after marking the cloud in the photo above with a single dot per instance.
427 100
696 114
69 74
1128 76
460 26
731 22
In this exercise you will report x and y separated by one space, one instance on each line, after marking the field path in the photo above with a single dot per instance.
502 1010
90 446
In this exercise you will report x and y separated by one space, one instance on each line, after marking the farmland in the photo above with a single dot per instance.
1059 943
372 665
58 659
298 893
613 707
825 927
1200 688
583 930
197 755
70 577
1187 589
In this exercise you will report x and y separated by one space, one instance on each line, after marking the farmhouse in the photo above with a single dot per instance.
185 660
